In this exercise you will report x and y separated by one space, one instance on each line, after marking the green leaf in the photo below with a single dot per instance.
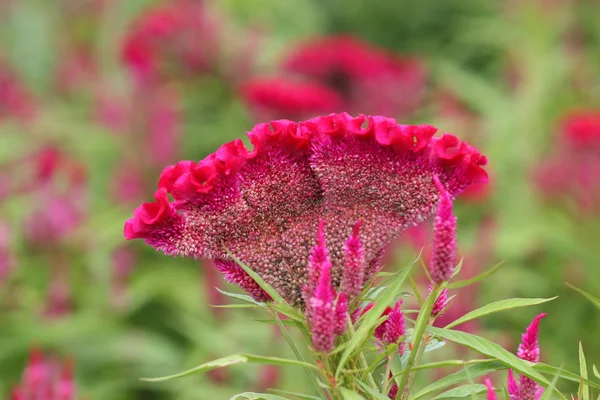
479 369
376 395
548 392
495 307
462 391
595 301
566 375
257 396
370 318
490 349
298 395
475 279
584 391
231 360
348 394
596 371
218 363
242 297
257 278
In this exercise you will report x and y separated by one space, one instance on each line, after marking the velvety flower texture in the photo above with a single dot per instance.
441 303
265 205
368 78
45 379
529 350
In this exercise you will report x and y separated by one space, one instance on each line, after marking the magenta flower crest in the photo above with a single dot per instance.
353 276
443 255
265 205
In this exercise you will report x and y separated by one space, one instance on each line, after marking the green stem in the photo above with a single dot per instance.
419 333
388 370
295 350
362 360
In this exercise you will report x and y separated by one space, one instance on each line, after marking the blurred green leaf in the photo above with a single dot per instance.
348 394
584 390
495 307
594 300
475 279
462 391
257 396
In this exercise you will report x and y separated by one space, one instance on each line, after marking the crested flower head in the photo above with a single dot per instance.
275 98
443 254
264 205
368 78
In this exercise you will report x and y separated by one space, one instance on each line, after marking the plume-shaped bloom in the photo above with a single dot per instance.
276 98
368 78
491 394
441 303
265 205
323 315
45 379
443 254
393 390
394 328
235 274
529 350
353 277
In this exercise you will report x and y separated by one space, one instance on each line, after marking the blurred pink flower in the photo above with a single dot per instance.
76 71
276 98
265 205
164 125
127 184
175 36
491 394
45 379
123 263
15 100
7 259
369 79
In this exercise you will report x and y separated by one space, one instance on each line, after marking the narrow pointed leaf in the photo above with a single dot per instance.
594 300
376 395
596 371
475 279
242 297
257 396
490 349
584 391
548 392
495 307
348 394
295 394
566 375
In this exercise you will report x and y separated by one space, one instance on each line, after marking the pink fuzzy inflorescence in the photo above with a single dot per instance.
443 254
264 205
45 379
529 350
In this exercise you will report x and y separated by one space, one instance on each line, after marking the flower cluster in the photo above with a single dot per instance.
45 379
264 205
338 73
15 100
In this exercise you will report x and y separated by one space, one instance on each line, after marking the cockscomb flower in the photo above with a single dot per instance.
264 205
276 98
443 254
45 379
529 350
368 78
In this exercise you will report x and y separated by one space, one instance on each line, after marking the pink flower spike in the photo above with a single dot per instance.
529 348
323 316
395 328
341 313
353 276
491 394
443 254
318 259
441 303
513 388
